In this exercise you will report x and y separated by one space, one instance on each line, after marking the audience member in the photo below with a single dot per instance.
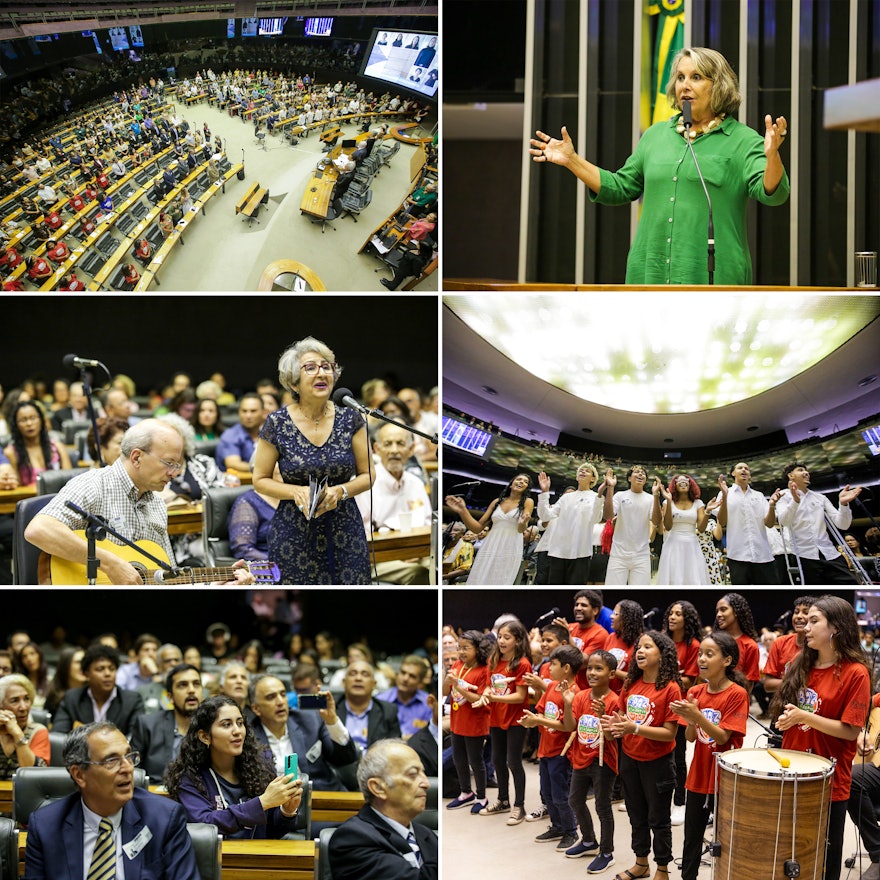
413 711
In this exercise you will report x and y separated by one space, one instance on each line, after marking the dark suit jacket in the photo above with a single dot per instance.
153 736
382 723
426 747
305 729
77 706
366 847
55 840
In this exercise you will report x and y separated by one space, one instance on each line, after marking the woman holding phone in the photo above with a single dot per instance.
221 778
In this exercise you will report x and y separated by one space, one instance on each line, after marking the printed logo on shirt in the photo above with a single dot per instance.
551 711
809 701
588 730
713 716
578 643
621 656
499 684
639 709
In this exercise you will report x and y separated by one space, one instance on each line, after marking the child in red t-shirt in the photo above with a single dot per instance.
469 724
554 768
627 624
592 766
716 712
507 695
682 624
734 615
647 726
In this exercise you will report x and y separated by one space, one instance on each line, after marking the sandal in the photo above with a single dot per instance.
628 875
661 872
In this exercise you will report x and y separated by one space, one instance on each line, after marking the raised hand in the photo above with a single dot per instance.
544 148
544 482
775 133
847 494
456 503
610 479
722 484
655 489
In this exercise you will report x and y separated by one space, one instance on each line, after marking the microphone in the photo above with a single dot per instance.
345 397
547 617
71 360
465 485
651 613
688 121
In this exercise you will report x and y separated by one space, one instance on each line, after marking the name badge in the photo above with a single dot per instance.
133 848
314 752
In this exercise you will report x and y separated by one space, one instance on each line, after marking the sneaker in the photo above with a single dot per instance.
711 820
677 814
600 863
537 815
584 848
478 807
569 839
550 834
497 807
461 801
621 807
517 814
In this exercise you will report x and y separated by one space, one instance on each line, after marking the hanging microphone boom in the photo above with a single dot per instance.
688 121
71 360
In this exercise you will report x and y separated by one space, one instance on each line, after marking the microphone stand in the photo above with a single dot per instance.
688 123
87 390
96 530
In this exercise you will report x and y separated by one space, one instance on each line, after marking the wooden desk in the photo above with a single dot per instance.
389 546
335 806
185 521
10 497
6 797
316 199
289 275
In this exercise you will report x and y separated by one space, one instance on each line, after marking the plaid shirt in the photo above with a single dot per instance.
110 493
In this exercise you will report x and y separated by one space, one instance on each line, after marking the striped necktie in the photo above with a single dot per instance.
411 840
103 865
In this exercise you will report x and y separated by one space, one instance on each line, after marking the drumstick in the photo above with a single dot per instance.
783 761
601 744
568 743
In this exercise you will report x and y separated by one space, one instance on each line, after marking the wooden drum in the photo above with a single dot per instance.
761 805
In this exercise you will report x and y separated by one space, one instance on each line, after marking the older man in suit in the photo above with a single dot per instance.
108 828
318 737
158 736
100 699
382 842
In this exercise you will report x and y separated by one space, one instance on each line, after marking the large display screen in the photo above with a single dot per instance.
118 38
318 27
465 437
249 27
272 27
404 58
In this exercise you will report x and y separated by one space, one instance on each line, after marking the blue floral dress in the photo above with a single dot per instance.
331 548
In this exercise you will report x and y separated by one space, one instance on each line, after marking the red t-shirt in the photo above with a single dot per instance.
730 711
40 744
748 658
40 269
551 742
840 692
688 653
644 704
505 715
77 204
59 253
13 284
783 650
585 747
74 284
464 720
53 221
614 644
586 641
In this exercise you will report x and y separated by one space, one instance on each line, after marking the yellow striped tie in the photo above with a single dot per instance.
103 865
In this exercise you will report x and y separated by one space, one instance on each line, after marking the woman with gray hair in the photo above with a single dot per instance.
312 440
23 742
737 164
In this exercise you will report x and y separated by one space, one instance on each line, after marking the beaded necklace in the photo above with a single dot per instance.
694 133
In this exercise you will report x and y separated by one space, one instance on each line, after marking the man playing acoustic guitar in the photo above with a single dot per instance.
126 495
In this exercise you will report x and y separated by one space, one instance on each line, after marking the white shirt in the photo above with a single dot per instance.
632 528
91 824
746 534
392 497
281 747
101 711
806 520
577 513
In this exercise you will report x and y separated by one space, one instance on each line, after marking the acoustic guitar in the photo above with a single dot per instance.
55 570
872 738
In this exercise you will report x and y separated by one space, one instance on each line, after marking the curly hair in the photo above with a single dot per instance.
25 469
693 626
195 756
743 613
483 644
668 670
840 615
693 488
631 621
521 644
729 648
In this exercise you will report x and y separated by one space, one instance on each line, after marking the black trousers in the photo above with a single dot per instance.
696 819
507 749
647 791
827 571
860 806
575 572
748 573
467 755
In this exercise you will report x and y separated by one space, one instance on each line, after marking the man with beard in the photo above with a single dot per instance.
585 633
319 738
747 514
630 559
803 513
156 697
158 736
396 491
237 444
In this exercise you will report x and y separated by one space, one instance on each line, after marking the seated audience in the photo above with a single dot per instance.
68 674
31 449
413 711
23 742
237 444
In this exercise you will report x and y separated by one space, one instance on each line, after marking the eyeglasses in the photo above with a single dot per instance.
114 762
174 466
311 367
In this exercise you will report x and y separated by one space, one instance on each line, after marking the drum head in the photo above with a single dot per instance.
759 762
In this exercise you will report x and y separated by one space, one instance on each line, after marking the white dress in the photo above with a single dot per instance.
500 554
681 561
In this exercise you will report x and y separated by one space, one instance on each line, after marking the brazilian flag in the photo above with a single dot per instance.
666 19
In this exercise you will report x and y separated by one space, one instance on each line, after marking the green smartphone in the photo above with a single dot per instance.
291 766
